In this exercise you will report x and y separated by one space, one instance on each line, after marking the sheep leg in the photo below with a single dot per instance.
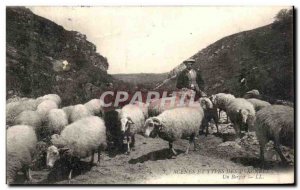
206 133
172 149
70 176
216 121
133 142
237 130
192 139
278 150
195 144
128 147
262 155
28 174
188 148
99 154
92 159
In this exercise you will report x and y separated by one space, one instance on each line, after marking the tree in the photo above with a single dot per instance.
284 15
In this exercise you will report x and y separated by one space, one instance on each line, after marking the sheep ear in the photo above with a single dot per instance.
130 120
156 120
63 150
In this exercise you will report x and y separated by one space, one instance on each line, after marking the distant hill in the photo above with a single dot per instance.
147 80
43 57
263 56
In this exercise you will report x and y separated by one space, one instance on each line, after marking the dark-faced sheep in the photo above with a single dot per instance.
210 113
174 124
275 123
132 121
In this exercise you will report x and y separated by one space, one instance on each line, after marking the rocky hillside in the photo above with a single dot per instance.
145 80
263 56
43 57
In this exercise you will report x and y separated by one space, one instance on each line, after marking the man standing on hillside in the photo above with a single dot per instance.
191 79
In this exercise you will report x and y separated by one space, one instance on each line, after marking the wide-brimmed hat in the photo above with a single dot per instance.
190 61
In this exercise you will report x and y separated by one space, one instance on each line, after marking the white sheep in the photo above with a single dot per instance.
53 97
20 146
56 120
132 121
44 107
13 109
80 139
95 106
174 124
158 106
241 113
68 111
252 94
275 122
144 107
78 112
221 101
28 117
258 104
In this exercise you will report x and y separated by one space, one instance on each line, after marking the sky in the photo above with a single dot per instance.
155 39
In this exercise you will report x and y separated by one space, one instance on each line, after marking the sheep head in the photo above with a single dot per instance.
54 154
205 103
213 98
125 123
152 127
243 115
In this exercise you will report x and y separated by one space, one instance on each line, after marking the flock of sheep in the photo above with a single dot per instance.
79 131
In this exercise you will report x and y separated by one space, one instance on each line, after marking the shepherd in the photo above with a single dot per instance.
191 79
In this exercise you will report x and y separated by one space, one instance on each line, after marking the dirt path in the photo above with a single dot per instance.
151 162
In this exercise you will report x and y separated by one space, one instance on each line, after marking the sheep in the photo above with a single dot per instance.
258 104
95 107
275 122
78 140
132 121
56 120
44 107
28 117
54 97
252 94
20 146
144 107
209 113
78 112
113 130
221 101
174 124
13 109
241 113
68 111
156 107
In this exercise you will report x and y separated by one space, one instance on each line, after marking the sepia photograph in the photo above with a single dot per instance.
150 95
